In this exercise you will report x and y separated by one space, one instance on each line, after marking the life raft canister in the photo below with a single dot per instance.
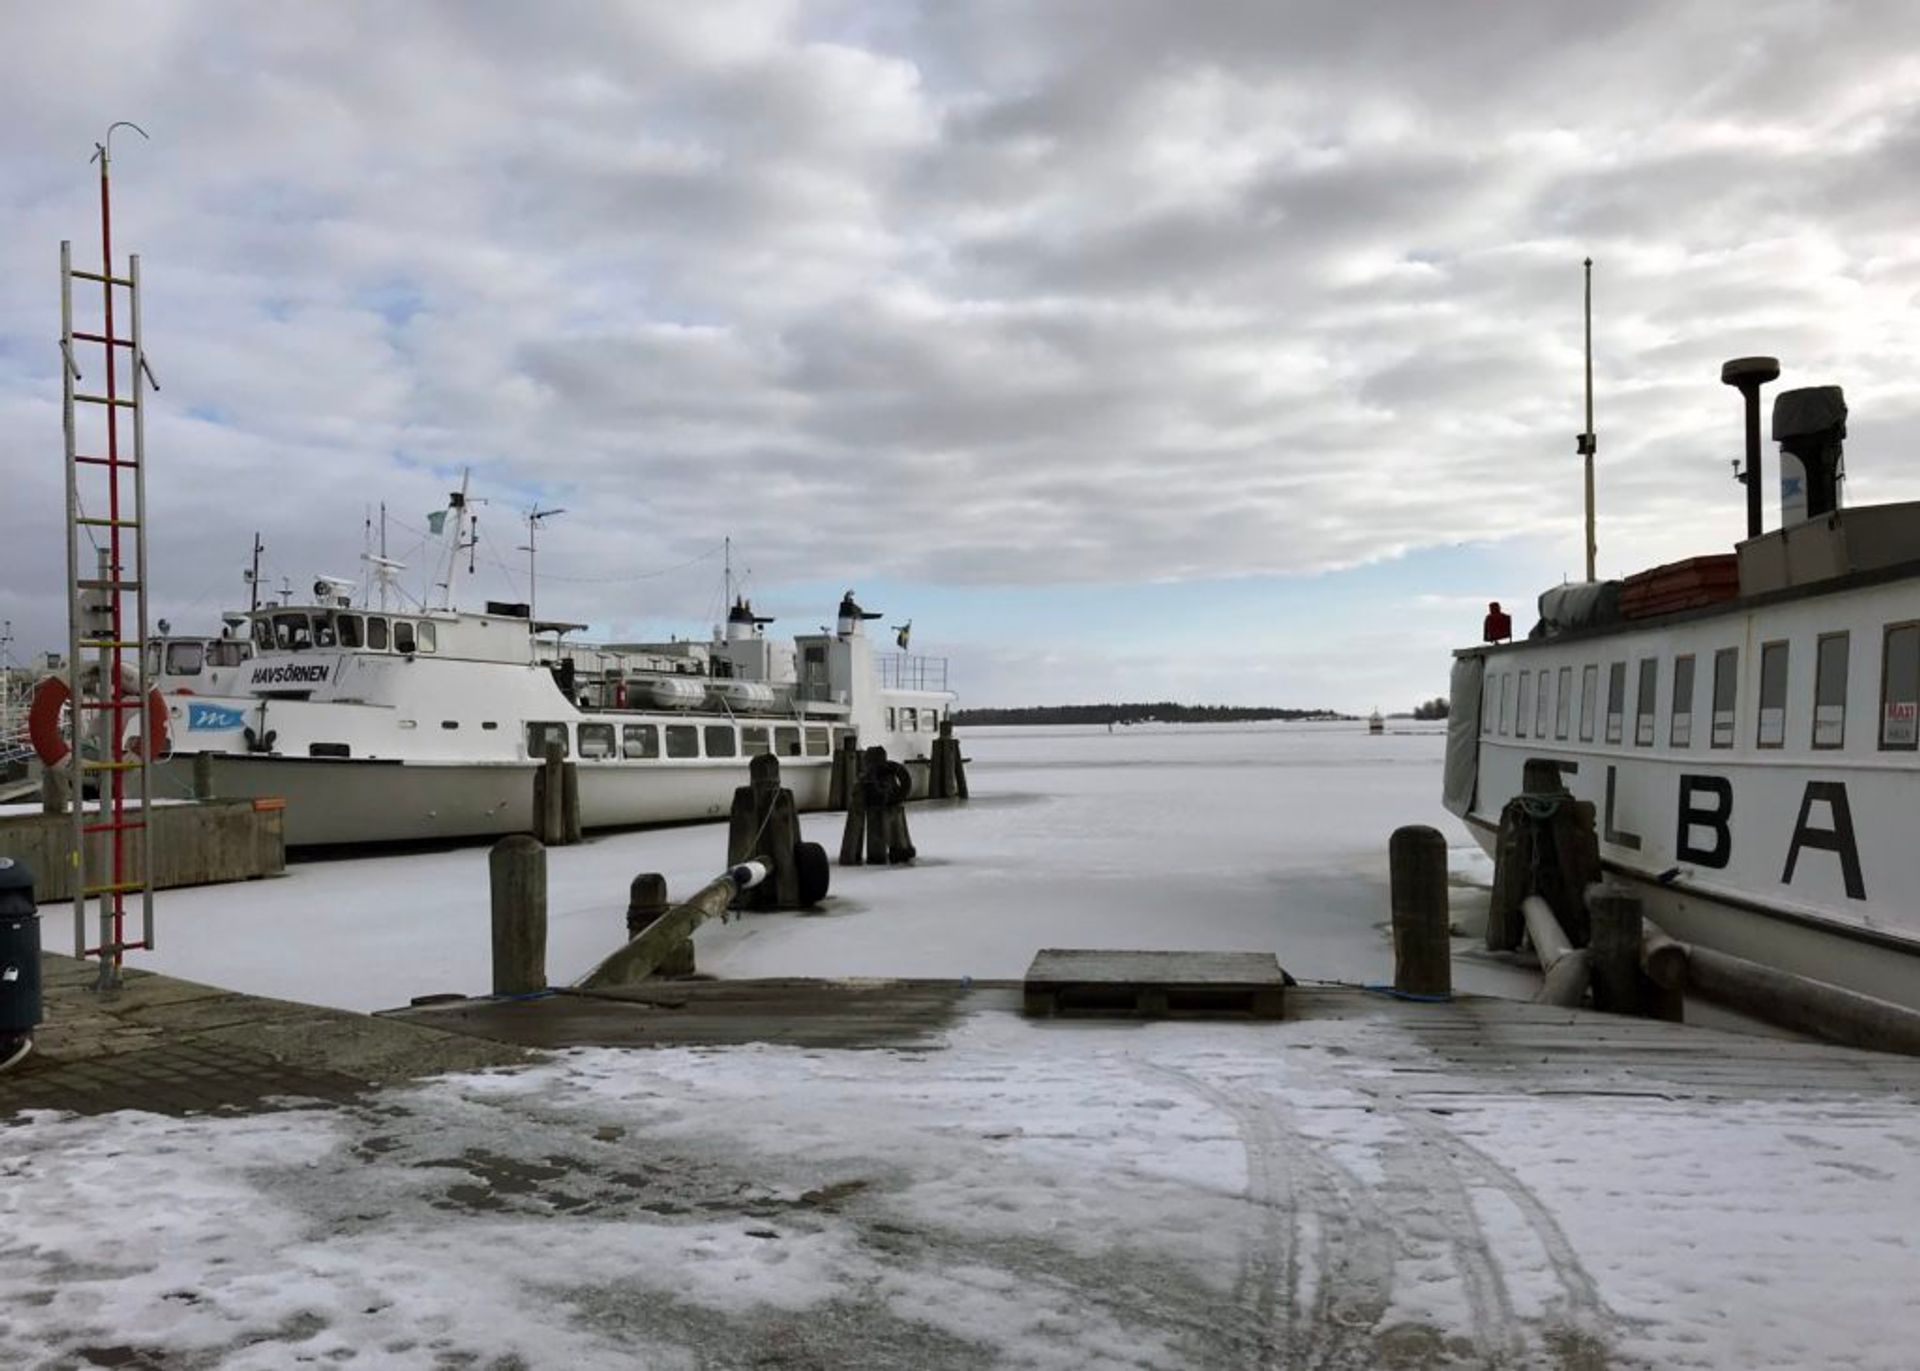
53 695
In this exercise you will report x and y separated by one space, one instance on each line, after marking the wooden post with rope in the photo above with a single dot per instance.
764 826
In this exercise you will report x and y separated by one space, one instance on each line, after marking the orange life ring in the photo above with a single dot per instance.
53 695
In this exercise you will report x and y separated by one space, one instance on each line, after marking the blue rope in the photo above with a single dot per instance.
1393 993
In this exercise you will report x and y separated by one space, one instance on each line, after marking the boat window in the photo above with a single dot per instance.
1487 706
429 637
154 660
640 740
292 632
930 720
226 652
721 740
1830 690
376 633
1680 722
263 634
1616 699
818 744
786 742
1643 704
347 628
1540 706
1524 706
1562 703
1589 701
449 723
403 635
1726 692
893 719
1900 689
683 740
596 741
753 741
540 735
910 719
1773 695
185 659
489 725
323 630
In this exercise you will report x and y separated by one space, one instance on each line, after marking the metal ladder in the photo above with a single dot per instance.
107 610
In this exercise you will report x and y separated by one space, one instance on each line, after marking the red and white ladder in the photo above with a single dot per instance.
107 603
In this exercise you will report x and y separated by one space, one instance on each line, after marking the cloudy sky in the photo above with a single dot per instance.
1224 352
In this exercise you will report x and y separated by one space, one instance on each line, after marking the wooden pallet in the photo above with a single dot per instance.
1246 985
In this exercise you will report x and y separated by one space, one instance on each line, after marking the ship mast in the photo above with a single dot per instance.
1587 443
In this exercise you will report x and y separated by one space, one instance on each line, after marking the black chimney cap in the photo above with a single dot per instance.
1756 371
1809 410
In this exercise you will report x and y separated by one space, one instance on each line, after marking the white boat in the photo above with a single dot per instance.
379 726
1745 725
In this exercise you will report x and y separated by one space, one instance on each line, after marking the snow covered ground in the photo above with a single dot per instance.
1230 838
1029 1194
1062 1195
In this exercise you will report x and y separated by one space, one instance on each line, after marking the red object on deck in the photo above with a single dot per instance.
1693 584
1499 625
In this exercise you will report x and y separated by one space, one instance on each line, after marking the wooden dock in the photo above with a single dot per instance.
1155 984
195 842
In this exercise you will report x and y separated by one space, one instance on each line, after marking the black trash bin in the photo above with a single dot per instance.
19 951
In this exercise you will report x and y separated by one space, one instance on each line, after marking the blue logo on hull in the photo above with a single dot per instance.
213 717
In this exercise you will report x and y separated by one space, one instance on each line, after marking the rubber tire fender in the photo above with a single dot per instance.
811 867
898 781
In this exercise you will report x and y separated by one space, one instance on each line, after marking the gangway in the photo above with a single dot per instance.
107 681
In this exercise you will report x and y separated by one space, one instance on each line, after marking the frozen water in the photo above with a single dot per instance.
1229 838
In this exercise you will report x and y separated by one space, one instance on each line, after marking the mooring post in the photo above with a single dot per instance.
570 802
203 775
549 796
846 773
56 789
763 825
940 774
1512 879
1614 949
517 870
853 838
647 901
874 786
1422 949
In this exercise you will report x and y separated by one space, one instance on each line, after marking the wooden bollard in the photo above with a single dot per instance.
203 775
549 797
853 838
1615 948
873 782
956 766
846 773
1422 946
517 871
940 774
1512 875
570 802
647 901
763 825
56 789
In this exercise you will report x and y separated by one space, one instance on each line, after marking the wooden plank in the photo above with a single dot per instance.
1155 984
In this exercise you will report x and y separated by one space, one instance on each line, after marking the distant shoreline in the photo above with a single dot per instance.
1145 714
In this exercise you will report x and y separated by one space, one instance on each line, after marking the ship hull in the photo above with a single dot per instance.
352 801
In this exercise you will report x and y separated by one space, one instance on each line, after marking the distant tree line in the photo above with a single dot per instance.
1436 708
1164 712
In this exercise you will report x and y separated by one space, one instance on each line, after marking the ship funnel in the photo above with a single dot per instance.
1748 374
1809 424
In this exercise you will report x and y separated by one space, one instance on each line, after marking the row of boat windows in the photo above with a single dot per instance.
1527 703
296 631
603 742
190 657
910 719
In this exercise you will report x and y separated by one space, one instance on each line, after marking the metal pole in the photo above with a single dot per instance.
148 740
1588 444
68 371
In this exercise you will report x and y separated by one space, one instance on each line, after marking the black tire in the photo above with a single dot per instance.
811 867
899 783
